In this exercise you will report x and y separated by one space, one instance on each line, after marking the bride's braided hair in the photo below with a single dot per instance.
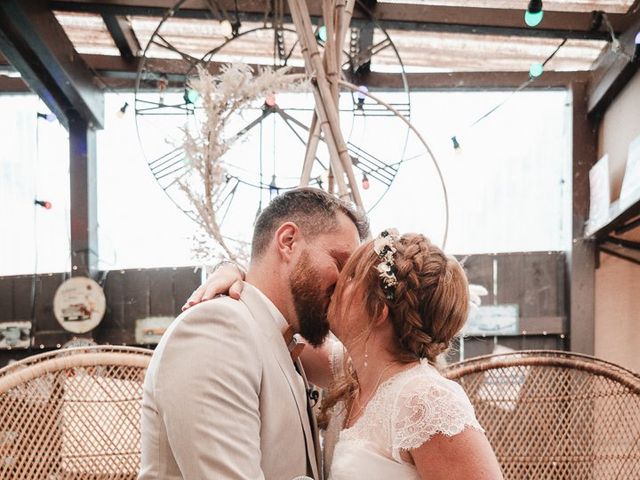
431 299
427 308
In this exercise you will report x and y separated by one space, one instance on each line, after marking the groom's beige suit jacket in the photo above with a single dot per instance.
222 398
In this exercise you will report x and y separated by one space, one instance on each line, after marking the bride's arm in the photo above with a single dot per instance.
226 279
460 457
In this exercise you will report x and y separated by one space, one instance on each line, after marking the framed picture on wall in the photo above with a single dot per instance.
630 191
15 335
492 320
600 193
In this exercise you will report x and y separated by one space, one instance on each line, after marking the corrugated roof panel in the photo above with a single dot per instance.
419 51
88 33
455 52
609 6
199 37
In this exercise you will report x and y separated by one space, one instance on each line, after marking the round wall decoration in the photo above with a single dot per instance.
79 305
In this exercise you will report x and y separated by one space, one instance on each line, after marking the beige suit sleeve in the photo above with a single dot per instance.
207 386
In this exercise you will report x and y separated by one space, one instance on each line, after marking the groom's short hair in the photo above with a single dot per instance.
313 210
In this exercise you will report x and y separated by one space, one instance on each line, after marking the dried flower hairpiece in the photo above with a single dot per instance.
385 248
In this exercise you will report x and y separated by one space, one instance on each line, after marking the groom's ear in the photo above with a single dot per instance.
286 238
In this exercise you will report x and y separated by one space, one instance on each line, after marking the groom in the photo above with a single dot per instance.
222 397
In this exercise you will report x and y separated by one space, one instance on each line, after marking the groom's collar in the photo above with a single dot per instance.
294 345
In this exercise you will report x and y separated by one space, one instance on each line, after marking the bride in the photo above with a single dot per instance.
389 413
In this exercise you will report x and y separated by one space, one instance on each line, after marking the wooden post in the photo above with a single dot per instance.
582 253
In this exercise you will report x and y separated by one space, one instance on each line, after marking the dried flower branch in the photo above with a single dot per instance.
222 96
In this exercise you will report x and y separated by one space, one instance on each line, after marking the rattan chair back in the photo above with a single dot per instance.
556 415
72 414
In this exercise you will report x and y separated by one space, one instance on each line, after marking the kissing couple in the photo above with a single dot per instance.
228 392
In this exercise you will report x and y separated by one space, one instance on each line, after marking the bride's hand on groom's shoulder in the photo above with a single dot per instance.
226 279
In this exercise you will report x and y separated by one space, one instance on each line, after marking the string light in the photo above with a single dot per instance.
365 181
270 100
361 96
123 110
163 83
533 15
536 70
43 203
273 187
49 117
321 33
226 28
190 96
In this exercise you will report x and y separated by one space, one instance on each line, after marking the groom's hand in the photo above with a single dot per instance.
226 279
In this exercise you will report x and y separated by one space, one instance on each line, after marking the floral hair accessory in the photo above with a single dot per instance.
384 247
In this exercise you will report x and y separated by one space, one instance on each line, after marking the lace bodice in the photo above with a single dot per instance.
405 412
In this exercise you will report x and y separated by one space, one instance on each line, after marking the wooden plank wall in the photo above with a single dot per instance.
535 281
130 295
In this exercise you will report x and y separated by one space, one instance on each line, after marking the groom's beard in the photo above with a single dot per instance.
310 306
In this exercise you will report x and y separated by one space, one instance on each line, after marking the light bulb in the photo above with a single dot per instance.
273 188
365 182
49 117
321 33
226 28
536 70
533 19
43 203
361 96
270 100
190 96
122 111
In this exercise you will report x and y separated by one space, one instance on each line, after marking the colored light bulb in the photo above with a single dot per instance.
533 19
321 34
536 70
365 181
190 96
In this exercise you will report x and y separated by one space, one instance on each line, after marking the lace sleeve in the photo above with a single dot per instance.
425 406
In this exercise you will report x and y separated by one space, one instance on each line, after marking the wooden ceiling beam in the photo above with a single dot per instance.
35 44
475 20
123 36
614 69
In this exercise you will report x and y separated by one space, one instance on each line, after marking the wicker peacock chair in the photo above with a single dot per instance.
72 414
556 415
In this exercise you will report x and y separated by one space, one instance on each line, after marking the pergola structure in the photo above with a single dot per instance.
69 52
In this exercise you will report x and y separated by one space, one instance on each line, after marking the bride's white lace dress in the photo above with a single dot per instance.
405 412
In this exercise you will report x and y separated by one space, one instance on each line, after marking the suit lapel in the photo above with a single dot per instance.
261 312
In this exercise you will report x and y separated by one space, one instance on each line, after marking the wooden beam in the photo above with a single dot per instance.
36 45
616 67
123 36
83 196
10 85
581 256
477 20
114 70
119 74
